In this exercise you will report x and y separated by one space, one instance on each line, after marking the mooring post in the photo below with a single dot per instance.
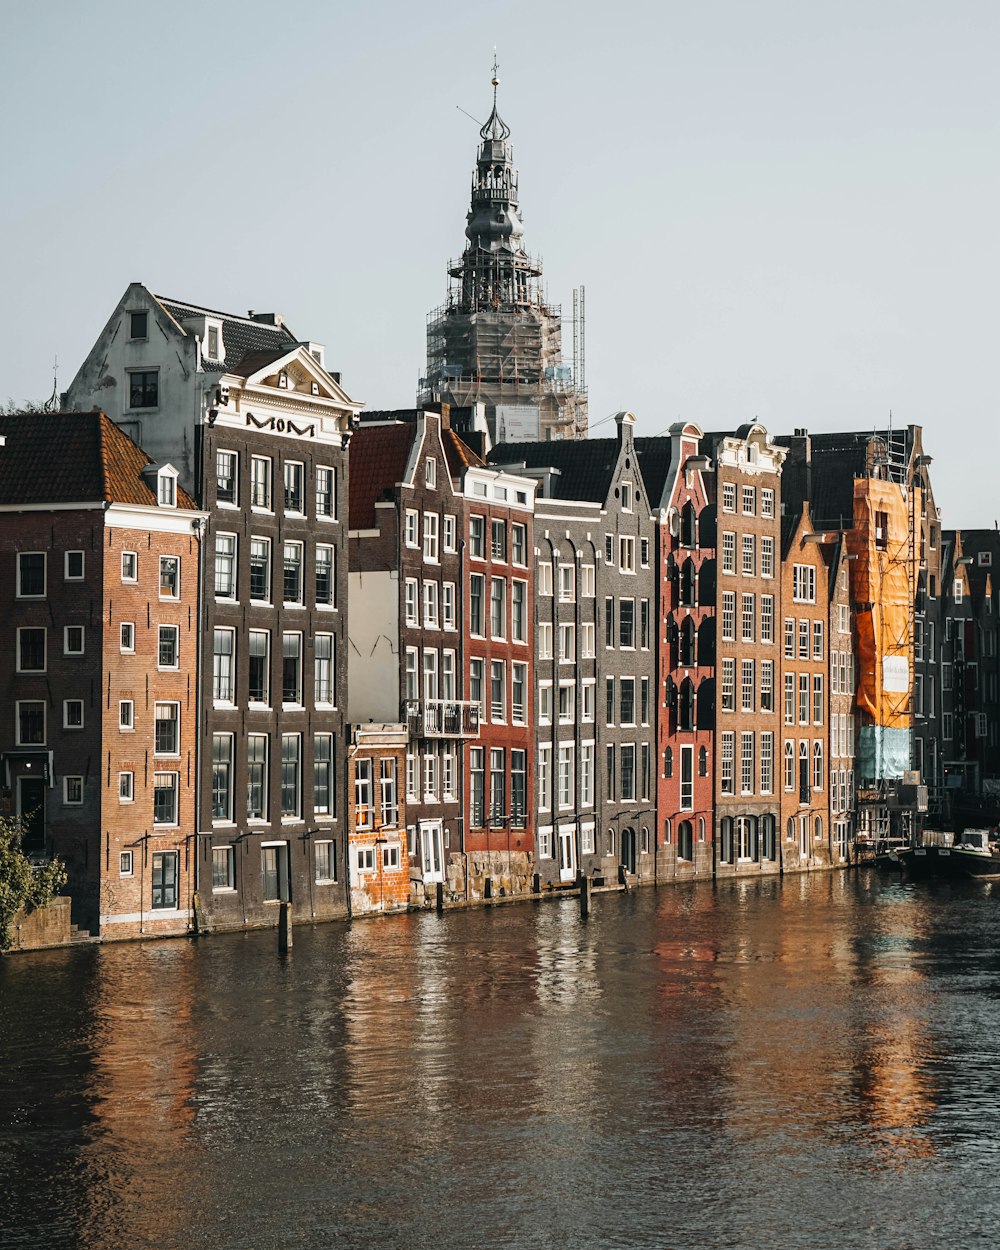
440 896
284 928
585 886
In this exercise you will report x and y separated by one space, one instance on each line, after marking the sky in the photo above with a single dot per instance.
780 209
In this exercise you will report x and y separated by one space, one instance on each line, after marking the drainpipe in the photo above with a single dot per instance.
200 527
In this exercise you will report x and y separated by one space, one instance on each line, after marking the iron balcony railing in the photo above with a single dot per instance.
443 718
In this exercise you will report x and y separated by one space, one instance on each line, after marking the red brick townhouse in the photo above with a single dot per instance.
99 552
681 487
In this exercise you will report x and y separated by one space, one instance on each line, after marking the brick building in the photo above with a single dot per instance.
377 855
681 488
748 491
100 549
840 685
258 429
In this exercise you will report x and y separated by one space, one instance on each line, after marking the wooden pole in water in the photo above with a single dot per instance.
585 885
284 928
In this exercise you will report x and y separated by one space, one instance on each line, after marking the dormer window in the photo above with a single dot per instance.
315 388
166 490
283 380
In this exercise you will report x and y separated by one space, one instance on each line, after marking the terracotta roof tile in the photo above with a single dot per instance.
73 457
458 454
377 459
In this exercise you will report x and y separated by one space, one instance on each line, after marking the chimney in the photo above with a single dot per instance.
625 422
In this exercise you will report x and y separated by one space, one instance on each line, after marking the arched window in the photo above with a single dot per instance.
817 765
688 584
668 762
687 649
701 828
746 837
686 716
611 841
685 847
689 526
666 833
726 839
702 763
644 840
789 765
790 829
818 829
803 771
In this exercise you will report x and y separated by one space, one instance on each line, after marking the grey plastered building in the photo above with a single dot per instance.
596 659
258 430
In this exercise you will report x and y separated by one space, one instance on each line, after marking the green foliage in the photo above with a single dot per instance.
13 409
21 883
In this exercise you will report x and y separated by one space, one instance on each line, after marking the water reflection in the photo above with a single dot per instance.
699 1065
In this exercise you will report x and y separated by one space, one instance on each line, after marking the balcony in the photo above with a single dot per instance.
443 718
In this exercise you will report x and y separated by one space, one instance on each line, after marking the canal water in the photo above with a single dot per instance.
808 1062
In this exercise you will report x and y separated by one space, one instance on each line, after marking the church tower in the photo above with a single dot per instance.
495 340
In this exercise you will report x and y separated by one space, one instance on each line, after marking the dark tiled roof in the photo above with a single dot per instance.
377 461
585 465
654 463
73 457
240 335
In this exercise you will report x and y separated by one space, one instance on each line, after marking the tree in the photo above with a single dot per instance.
13 409
23 884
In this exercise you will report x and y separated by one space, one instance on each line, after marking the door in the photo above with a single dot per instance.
628 859
431 850
31 809
567 853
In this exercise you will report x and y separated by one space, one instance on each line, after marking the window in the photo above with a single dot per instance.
567 703
543 635
687 779
728 497
294 477
789 765
260 482
804 583
170 577
766 501
749 549
325 690
448 533
498 607
126 715
803 640
727 757
256 776
728 552
519 611
588 643
628 791
226 477
746 763
73 566
138 325
567 644
626 488
803 698
31 575
223 868
644 552
626 554
143 388
519 543
626 698
431 537
166 734
126 787
166 787
728 685
498 780
747 698
431 592
766 555
326 492
222 776
72 713
291 668
543 580
224 665
291 775
476 678
130 566
767 685
388 805
498 708
817 777
789 638
566 790
364 795
789 698
260 570
430 472
225 566
166 490
326 860
518 692
545 702
881 530
167 646
626 623
292 582
748 495
411 530
587 582
587 775
767 618
164 892
817 699
498 540
567 583
31 650
544 770
748 617
477 588
518 789
766 763
326 577
477 537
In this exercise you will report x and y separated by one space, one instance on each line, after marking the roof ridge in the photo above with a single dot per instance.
215 312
